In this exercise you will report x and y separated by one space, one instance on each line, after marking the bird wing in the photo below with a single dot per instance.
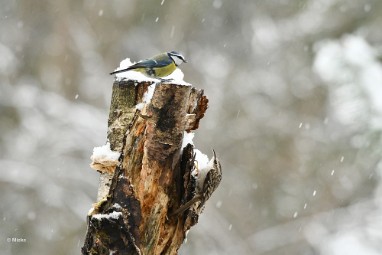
147 63
155 62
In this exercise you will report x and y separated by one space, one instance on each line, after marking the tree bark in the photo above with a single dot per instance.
153 175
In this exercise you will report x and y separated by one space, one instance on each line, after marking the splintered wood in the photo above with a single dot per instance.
153 177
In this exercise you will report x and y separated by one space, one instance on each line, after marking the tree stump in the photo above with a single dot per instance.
152 176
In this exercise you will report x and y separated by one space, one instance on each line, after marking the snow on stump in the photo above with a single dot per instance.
147 168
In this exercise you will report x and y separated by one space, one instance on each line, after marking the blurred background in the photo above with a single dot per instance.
295 115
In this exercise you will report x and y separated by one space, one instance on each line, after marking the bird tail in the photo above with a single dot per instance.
121 70
187 205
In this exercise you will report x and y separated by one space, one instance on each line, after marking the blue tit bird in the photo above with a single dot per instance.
158 66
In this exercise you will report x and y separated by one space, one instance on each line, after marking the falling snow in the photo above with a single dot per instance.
295 104
172 32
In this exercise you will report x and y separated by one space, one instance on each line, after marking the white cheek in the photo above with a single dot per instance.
177 61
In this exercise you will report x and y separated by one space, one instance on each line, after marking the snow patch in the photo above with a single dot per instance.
187 139
147 96
177 77
139 106
117 206
202 159
104 159
203 167
104 152
113 215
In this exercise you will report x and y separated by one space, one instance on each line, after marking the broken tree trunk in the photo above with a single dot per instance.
152 176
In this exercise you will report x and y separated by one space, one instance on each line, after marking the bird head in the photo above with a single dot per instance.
176 57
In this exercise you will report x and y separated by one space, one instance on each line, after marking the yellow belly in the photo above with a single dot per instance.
157 71
164 71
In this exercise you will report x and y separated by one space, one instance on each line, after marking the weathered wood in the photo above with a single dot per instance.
153 176
125 96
